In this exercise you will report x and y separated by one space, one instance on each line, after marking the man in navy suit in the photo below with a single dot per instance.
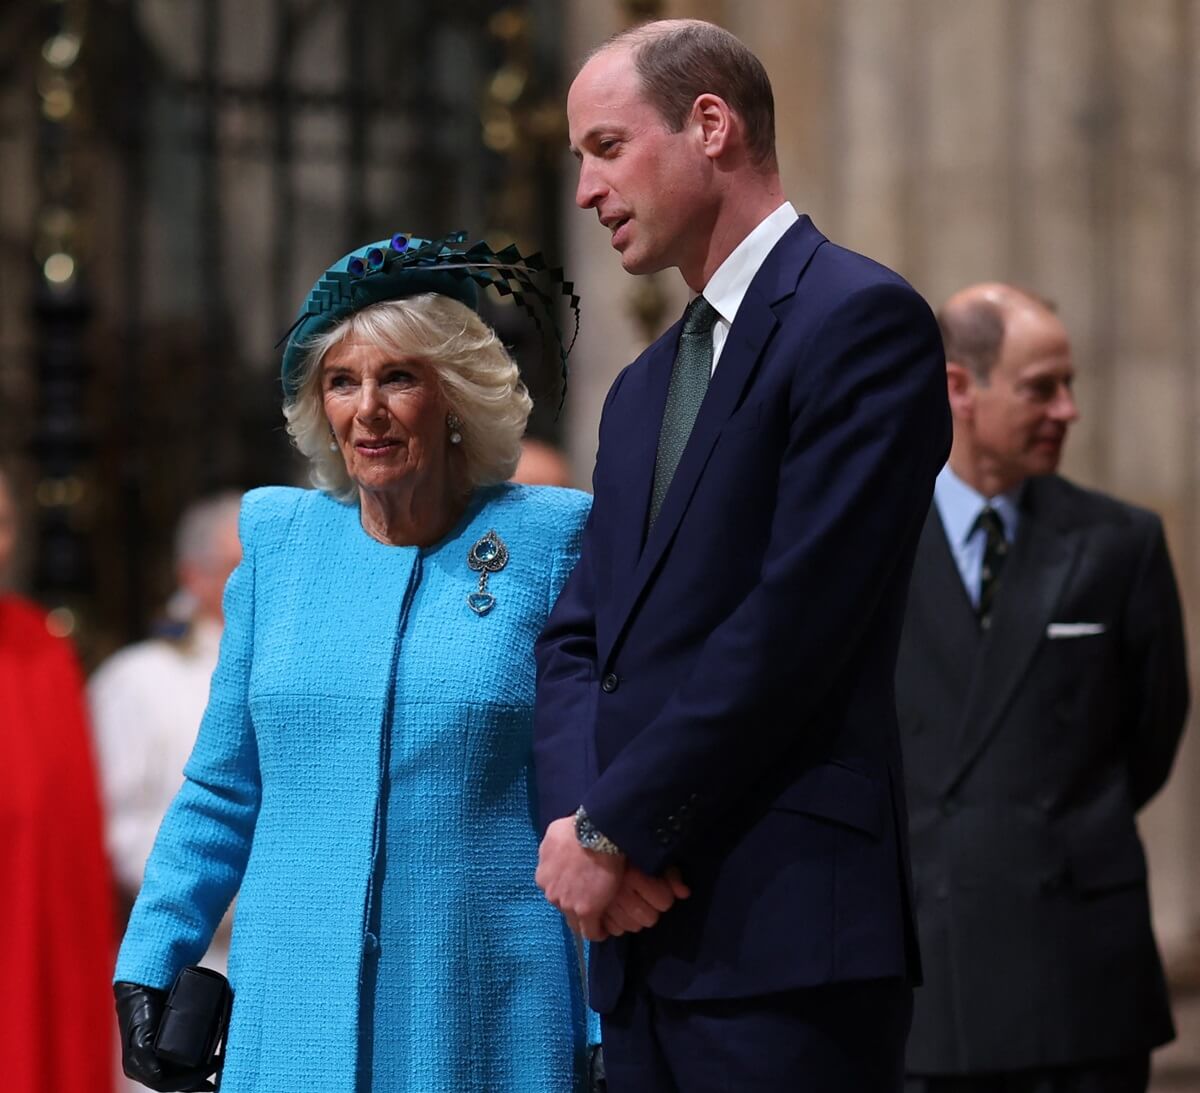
715 717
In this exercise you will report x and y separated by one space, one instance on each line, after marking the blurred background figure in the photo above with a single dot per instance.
56 914
1041 689
541 464
147 699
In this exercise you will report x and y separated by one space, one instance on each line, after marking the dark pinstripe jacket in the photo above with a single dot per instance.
1028 750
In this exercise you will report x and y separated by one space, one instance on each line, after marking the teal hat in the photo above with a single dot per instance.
406 265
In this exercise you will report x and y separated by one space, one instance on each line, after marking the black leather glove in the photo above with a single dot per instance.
139 1011
597 1081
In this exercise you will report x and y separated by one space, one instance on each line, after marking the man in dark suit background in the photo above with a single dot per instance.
1042 689
715 685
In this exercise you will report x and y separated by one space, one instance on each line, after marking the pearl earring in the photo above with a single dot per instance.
455 427
332 440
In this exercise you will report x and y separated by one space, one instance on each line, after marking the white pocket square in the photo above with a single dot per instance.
1074 629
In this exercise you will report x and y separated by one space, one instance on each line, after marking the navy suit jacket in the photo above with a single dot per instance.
719 693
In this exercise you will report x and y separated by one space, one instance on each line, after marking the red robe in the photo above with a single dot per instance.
56 911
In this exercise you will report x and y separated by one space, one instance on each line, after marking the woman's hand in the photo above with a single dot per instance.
139 1011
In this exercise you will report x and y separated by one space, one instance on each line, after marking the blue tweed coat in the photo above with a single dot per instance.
331 638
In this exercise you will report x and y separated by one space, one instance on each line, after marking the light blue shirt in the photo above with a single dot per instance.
959 506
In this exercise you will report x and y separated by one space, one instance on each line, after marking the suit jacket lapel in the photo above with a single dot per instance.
1042 560
941 608
634 463
749 334
754 325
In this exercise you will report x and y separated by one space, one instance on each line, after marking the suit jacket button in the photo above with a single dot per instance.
609 683
949 806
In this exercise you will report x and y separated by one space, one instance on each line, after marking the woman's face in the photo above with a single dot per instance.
8 530
387 414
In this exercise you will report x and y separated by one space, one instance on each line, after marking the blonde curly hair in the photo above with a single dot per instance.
479 380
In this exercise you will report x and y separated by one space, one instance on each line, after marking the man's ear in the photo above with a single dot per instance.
960 389
717 124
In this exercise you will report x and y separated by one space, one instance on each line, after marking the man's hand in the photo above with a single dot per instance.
642 900
579 882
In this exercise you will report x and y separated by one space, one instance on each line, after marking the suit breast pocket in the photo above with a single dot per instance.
744 468
1079 659
748 419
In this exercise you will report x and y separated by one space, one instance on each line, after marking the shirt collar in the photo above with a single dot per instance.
959 505
727 287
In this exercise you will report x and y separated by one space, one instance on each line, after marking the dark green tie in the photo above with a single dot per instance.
689 380
995 550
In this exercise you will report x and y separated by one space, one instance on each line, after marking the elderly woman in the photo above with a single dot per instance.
363 768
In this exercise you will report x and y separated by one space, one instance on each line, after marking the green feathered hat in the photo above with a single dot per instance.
406 265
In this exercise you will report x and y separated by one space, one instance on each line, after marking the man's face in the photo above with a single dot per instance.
1021 415
649 186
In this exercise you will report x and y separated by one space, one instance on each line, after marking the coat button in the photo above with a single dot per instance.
609 683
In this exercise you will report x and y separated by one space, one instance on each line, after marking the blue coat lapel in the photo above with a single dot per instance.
756 321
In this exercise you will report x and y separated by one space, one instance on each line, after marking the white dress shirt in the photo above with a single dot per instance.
726 289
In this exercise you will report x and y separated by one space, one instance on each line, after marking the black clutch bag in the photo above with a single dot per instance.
195 1019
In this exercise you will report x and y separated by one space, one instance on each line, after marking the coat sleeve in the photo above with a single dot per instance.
566 657
566 670
203 844
868 433
1157 664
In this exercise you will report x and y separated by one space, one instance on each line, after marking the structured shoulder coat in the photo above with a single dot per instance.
363 775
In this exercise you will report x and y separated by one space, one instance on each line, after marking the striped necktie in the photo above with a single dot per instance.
995 550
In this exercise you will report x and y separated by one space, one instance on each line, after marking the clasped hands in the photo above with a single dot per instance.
601 895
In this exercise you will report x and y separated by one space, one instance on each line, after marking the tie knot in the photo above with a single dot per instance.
699 318
989 520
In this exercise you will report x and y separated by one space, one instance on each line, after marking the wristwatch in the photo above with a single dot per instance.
591 837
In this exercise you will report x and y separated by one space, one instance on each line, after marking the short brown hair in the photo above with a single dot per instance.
677 60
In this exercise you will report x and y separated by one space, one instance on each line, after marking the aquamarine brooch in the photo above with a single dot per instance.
488 555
